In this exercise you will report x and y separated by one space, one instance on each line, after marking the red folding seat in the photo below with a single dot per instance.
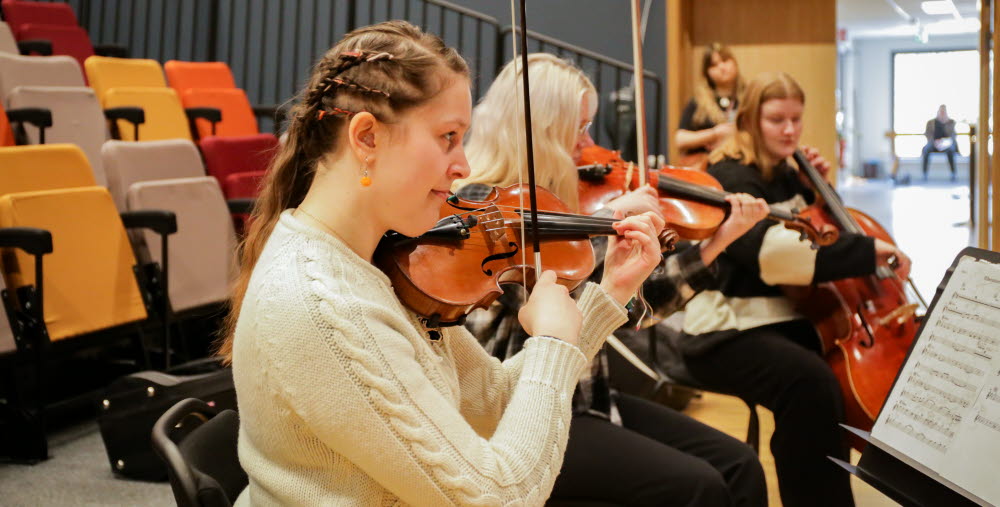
20 12
227 158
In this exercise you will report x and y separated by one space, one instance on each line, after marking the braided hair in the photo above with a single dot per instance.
383 69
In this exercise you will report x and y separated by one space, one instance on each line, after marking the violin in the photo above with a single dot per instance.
692 202
484 244
866 324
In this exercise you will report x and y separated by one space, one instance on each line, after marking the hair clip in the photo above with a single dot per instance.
336 112
380 56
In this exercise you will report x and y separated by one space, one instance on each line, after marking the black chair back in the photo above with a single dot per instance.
198 446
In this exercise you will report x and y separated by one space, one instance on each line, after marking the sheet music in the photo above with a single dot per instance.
944 411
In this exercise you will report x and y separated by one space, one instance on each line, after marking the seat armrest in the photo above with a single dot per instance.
115 50
40 47
241 205
30 239
160 221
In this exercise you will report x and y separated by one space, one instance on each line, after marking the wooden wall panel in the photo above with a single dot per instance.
794 36
814 66
763 21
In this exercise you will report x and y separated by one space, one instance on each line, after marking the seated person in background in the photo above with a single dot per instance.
707 119
743 336
940 134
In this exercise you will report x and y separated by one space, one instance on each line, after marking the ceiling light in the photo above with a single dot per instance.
936 7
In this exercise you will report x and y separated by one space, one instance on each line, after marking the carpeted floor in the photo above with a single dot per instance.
77 473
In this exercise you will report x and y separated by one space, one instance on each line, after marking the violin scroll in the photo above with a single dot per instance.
824 235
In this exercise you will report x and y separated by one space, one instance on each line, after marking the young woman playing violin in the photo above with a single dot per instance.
625 450
743 336
344 395
707 120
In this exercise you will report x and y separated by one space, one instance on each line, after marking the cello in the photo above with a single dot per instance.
866 324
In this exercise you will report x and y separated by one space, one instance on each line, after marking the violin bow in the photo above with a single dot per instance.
526 93
639 92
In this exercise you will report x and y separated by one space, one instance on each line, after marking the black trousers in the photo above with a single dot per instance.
775 367
949 152
659 457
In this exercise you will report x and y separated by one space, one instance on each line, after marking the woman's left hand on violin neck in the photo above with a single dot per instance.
644 199
632 255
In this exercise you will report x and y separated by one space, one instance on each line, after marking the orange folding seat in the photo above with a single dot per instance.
237 114
187 75
211 84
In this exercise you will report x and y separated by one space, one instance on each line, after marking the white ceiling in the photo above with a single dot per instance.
877 18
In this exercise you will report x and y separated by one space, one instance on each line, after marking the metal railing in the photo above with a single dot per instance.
602 71
271 45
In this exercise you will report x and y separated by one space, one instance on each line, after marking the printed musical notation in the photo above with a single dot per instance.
909 430
943 413
992 424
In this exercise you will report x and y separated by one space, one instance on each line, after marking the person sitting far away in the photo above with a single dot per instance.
941 138
707 119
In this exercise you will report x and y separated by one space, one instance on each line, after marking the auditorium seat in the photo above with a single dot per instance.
169 175
55 23
105 73
237 162
188 75
16 70
91 293
76 118
206 83
164 117
237 114
70 41
21 12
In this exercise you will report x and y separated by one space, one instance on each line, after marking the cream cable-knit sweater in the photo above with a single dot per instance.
344 399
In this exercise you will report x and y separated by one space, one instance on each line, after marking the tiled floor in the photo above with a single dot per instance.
929 221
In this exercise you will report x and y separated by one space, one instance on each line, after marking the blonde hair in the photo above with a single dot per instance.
747 145
383 69
495 143
706 107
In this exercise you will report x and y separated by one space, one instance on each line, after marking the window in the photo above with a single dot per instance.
925 80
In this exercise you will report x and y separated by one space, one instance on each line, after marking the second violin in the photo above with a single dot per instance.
459 265
693 202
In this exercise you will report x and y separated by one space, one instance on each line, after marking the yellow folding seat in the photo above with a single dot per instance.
164 116
105 73
89 283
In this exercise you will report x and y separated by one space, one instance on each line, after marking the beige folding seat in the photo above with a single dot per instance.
7 42
169 175
127 163
76 118
18 70
201 252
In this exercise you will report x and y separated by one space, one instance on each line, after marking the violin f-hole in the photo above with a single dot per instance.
499 256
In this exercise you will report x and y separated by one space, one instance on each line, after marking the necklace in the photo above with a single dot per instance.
321 223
